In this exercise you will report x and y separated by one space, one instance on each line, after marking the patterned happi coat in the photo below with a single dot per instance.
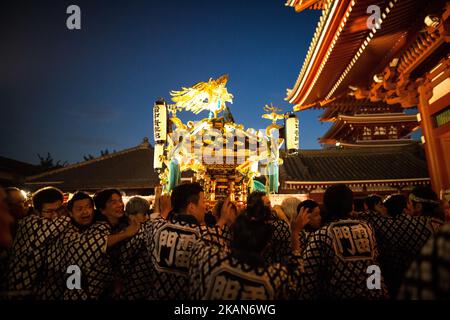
170 244
56 263
304 238
84 249
280 245
135 266
215 274
28 255
428 277
399 240
336 262
91 255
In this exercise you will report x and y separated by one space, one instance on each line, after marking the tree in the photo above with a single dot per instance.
88 157
102 154
49 164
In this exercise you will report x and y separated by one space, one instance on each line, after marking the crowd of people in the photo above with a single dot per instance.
96 248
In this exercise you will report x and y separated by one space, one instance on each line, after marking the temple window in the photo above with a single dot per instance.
380 131
367 133
393 132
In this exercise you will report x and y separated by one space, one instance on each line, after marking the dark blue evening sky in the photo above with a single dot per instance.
73 93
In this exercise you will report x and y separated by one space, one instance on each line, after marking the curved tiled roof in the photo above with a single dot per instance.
355 164
127 169
351 52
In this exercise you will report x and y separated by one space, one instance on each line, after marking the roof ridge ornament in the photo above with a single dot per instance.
145 144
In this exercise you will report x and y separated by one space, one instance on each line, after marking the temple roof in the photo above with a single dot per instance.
341 127
345 52
300 5
13 172
335 165
128 169
348 105
378 118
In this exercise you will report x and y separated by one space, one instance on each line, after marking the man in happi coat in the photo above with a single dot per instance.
339 255
35 234
170 242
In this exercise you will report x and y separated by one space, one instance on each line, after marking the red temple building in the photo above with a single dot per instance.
362 123
368 63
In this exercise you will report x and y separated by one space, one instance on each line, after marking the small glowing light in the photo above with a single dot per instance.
394 62
432 21
378 78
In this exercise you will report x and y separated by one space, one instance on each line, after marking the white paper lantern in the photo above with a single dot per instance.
160 122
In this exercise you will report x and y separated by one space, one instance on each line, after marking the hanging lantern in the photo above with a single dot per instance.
292 133
160 121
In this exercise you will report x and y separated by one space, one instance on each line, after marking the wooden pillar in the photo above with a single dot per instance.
437 140
430 142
